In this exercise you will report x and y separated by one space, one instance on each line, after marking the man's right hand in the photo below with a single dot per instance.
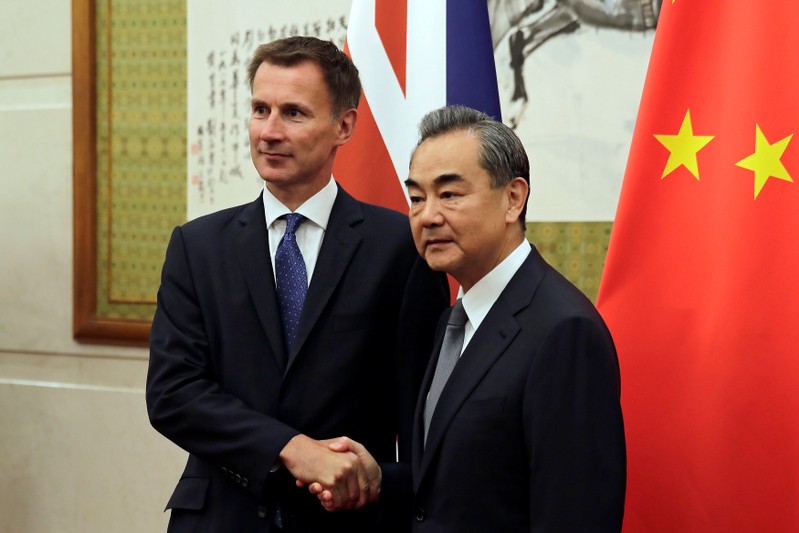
369 483
348 479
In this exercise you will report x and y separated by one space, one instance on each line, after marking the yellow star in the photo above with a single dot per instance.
765 162
683 147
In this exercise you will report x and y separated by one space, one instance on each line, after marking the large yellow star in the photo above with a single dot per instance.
765 162
683 147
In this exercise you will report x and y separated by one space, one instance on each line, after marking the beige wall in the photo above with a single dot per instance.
77 453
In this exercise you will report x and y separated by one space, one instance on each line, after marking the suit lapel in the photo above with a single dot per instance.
487 345
252 248
489 342
338 247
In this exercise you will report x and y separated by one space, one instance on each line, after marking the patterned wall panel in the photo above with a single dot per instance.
141 113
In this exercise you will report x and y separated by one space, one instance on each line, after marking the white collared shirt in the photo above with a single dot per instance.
310 233
479 300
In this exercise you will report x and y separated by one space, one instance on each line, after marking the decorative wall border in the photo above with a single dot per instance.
108 233
87 325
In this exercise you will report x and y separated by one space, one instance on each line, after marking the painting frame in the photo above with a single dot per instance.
88 324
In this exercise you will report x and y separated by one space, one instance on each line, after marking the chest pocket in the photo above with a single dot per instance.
482 408
354 322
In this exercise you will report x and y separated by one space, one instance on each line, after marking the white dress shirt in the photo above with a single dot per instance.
310 233
477 302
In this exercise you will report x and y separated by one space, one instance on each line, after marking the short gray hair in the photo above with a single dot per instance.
502 154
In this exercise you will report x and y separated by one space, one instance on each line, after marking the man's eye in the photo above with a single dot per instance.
294 113
415 199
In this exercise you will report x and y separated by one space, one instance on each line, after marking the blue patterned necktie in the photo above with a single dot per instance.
292 279
447 358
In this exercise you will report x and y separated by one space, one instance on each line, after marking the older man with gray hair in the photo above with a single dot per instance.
518 424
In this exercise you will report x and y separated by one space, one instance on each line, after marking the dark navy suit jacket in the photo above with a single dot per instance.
527 435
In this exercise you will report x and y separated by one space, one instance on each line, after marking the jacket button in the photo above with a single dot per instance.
238 479
419 515
245 482
261 511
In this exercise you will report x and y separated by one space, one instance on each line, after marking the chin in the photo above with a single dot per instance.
275 178
438 264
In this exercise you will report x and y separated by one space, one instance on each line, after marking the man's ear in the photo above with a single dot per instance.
517 197
346 125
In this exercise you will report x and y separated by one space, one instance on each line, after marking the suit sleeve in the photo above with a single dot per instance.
184 401
574 430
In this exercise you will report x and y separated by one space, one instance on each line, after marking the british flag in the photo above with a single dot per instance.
413 56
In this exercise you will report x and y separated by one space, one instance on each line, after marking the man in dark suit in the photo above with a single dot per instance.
301 317
525 434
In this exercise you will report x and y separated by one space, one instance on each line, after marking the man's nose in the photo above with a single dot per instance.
271 128
431 213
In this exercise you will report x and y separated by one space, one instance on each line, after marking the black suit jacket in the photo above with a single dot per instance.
527 434
218 385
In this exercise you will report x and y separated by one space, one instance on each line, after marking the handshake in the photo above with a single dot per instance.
340 472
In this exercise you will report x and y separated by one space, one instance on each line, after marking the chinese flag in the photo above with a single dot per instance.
701 283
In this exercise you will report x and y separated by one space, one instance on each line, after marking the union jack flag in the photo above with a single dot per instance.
413 56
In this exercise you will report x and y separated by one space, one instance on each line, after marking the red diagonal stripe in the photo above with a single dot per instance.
391 20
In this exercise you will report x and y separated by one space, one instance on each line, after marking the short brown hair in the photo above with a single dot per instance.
341 75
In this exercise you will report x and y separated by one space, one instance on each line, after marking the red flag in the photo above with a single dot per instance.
701 283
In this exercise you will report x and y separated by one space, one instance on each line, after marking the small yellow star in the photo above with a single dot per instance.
765 162
683 147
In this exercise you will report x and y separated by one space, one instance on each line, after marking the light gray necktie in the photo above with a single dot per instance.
447 358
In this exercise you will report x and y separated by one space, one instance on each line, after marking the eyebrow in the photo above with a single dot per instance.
254 102
439 180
